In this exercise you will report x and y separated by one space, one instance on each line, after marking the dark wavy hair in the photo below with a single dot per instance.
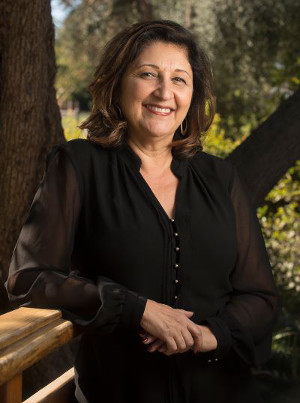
107 127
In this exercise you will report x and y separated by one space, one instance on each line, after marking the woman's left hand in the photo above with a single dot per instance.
209 342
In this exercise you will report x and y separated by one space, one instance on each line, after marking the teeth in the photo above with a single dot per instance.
155 108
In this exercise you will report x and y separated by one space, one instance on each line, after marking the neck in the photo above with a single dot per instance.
156 156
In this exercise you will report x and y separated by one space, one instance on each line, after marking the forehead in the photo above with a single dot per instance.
164 55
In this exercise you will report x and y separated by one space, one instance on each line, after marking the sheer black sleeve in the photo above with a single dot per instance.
40 273
246 323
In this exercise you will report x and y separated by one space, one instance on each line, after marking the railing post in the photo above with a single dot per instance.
26 336
11 391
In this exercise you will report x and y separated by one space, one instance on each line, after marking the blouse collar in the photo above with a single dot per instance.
178 165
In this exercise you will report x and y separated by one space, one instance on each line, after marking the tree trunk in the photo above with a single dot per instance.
271 149
29 125
29 115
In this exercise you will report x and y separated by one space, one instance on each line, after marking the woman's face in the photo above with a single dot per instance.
156 91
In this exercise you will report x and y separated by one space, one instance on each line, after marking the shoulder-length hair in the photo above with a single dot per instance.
107 127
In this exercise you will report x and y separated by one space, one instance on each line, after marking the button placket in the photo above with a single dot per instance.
176 264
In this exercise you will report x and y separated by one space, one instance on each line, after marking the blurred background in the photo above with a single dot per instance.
254 49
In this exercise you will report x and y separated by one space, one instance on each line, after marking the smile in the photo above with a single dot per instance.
159 111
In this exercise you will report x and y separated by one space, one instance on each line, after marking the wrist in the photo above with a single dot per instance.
144 320
209 341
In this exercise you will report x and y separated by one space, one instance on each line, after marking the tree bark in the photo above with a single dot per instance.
271 149
29 125
29 115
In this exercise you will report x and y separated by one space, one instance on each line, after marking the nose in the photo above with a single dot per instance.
164 90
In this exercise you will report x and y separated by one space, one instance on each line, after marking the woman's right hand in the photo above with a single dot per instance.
172 326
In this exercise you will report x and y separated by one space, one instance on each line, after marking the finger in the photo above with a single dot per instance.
198 338
155 346
149 339
144 334
168 353
187 313
180 343
189 340
171 345
163 348
186 344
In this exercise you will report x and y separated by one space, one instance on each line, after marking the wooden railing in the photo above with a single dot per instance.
26 336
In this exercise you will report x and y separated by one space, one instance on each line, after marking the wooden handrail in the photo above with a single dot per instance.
26 336
60 390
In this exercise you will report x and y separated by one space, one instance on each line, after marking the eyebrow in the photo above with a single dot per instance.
156 67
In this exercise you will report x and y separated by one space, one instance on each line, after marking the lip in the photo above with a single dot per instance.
161 106
159 113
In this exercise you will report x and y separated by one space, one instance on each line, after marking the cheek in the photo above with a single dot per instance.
188 99
134 91
132 96
185 99
138 92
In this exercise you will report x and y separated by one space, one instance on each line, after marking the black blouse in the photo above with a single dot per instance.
97 244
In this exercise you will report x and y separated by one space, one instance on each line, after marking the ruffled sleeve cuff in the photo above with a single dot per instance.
133 310
119 307
223 335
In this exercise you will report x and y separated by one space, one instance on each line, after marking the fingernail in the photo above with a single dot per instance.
145 338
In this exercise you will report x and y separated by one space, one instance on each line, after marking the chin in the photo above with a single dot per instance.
159 132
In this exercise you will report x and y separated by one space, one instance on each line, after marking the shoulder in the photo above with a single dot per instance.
214 167
85 154
83 148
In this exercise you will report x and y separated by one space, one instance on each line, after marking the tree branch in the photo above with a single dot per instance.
271 149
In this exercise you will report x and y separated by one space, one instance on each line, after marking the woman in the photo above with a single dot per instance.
137 232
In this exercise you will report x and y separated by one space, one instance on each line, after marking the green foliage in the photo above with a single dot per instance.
256 58
70 125
280 218
285 361
216 142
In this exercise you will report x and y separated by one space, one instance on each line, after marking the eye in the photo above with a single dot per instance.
148 74
179 80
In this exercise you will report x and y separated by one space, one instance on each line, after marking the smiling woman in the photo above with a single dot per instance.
155 98
146 242
164 65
